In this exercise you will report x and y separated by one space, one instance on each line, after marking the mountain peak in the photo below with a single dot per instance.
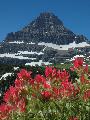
45 38
50 17
47 14
45 28
45 20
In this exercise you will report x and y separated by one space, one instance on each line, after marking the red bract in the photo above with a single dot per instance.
86 69
67 88
16 98
19 83
47 85
31 82
63 75
78 62
4 111
11 96
54 72
46 95
56 92
48 71
40 79
83 80
24 74
86 95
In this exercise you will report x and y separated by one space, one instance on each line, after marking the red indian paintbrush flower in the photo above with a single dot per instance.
86 95
83 80
46 95
54 71
24 74
67 88
11 95
86 69
47 85
4 111
56 92
63 75
48 71
40 79
19 83
31 82
78 62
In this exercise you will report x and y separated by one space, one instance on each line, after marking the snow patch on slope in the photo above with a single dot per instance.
19 54
17 42
31 43
38 63
26 52
14 56
64 47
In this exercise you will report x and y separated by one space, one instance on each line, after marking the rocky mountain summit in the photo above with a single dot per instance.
44 39
46 28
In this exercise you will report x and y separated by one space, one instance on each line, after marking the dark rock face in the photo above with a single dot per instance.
46 28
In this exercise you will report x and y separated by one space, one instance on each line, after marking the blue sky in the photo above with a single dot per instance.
14 14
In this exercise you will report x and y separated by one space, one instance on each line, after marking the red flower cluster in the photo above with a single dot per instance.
15 96
46 95
78 62
4 111
54 85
